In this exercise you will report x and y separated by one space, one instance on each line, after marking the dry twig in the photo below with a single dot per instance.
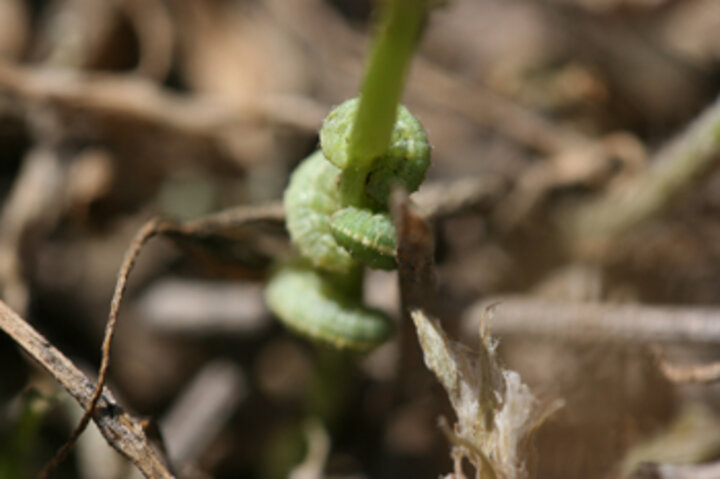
598 322
225 221
416 271
150 229
416 262
121 430
141 102
673 170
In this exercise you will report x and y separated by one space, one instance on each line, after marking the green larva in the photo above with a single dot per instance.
405 162
319 296
310 198
316 305
368 237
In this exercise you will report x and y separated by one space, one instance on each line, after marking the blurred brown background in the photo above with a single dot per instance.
113 111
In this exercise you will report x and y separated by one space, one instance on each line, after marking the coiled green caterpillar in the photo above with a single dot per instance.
314 194
336 202
336 238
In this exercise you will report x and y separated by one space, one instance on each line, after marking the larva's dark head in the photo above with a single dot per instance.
405 162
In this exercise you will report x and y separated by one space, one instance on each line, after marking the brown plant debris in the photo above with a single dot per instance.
122 431
497 414
597 322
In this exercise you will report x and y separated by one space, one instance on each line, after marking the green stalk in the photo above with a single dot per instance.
392 50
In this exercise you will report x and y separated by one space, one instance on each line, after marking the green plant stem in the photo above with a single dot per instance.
392 50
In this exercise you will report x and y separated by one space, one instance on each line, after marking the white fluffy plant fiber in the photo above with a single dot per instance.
496 413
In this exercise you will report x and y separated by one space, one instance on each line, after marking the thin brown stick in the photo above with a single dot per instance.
416 272
140 102
416 250
229 221
150 229
596 322
225 221
122 431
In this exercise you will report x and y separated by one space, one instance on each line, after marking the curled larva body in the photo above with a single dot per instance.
336 213
310 198
405 161
319 306
368 237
